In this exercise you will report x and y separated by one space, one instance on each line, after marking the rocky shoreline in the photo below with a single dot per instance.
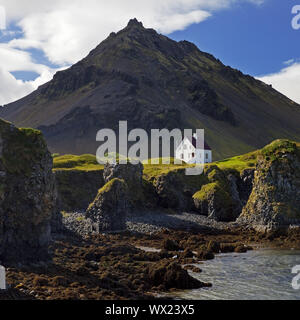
117 266
149 222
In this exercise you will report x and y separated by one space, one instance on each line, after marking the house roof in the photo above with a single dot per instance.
194 143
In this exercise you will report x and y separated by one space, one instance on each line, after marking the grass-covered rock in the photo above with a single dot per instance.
27 195
109 209
275 199
215 202
133 177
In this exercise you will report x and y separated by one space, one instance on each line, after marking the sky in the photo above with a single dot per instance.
258 37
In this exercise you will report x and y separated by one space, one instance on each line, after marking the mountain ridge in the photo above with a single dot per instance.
154 82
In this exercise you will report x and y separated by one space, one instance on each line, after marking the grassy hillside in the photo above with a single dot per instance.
85 162
88 162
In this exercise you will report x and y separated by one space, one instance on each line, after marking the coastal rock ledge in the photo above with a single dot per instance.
274 202
27 195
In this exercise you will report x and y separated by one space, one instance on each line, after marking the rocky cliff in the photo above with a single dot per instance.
108 211
260 189
27 195
274 202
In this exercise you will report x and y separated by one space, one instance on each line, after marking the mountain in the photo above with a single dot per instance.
154 82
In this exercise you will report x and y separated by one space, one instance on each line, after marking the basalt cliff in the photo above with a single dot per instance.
27 195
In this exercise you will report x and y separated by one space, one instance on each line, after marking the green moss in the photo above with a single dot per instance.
209 190
152 171
22 148
55 155
107 187
65 214
206 191
239 163
277 148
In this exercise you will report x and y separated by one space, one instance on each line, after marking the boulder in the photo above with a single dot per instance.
213 246
171 245
27 195
215 202
110 207
171 275
175 190
204 254
274 202
133 177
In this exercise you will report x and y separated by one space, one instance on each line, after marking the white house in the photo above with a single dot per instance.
188 152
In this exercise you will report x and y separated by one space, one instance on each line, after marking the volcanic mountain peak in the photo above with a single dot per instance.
134 23
155 82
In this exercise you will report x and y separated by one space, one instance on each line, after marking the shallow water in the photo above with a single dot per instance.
255 275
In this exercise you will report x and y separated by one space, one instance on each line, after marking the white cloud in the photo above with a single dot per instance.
12 88
16 60
66 30
289 62
286 81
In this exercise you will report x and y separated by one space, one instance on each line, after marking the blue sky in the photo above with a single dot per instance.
254 36
255 39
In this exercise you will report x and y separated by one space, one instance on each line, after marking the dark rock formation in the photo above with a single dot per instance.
245 185
275 199
133 177
214 198
27 195
240 189
235 196
175 190
171 245
77 189
170 275
132 174
224 195
205 255
109 209
213 246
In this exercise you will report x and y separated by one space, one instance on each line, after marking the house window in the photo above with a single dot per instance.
182 156
184 147
193 155
206 156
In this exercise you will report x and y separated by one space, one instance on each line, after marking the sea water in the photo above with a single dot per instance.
255 275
